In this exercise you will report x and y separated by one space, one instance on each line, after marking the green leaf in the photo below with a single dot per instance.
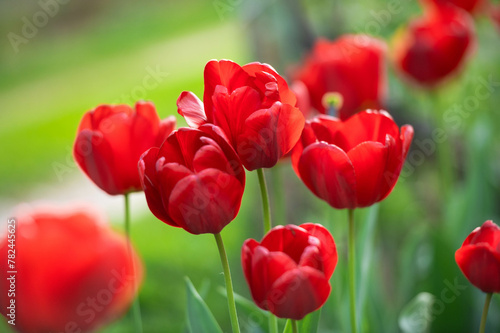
200 319
416 316
364 281
307 325
255 319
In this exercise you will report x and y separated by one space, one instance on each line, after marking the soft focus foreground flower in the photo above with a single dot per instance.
352 66
74 274
479 257
194 181
289 271
471 6
110 140
254 107
495 15
355 163
434 46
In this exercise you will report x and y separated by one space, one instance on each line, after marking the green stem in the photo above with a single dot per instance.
229 284
273 322
136 307
485 312
278 196
352 276
265 201
295 327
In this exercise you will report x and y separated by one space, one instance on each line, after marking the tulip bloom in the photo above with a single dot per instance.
354 163
253 105
194 181
434 46
495 15
352 66
479 257
472 6
73 272
110 140
289 271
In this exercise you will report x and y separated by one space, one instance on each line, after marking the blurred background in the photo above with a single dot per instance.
80 54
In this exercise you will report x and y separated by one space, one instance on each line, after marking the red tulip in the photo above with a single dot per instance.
495 15
479 257
194 181
110 140
74 274
254 107
434 46
289 271
354 163
352 66
471 6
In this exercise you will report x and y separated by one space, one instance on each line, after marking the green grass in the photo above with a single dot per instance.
42 128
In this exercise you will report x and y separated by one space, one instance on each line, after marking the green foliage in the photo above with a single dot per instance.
199 317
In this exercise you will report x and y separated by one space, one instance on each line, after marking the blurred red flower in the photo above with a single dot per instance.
471 6
254 107
289 271
479 257
352 66
110 140
194 181
495 15
433 47
73 272
354 163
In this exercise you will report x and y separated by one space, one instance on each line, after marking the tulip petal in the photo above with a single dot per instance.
268 135
191 108
366 126
181 148
210 156
481 266
231 110
325 128
311 258
298 292
101 114
406 138
328 249
167 126
369 160
225 73
267 267
247 251
205 202
145 125
147 173
286 95
95 157
328 173
233 160
488 233
290 239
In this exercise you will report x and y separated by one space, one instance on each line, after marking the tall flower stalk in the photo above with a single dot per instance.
352 271
229 284
272 320
136 307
